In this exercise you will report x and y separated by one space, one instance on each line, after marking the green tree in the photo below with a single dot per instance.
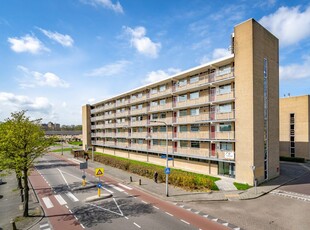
21 142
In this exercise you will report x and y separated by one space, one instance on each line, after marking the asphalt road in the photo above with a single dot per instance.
128 208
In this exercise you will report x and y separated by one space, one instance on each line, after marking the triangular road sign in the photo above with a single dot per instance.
99 172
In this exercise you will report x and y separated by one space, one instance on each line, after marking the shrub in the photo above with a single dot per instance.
179 178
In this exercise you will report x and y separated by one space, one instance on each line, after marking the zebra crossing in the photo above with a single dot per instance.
61 198
45 226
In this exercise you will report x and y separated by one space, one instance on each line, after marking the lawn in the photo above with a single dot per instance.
242 186
78 143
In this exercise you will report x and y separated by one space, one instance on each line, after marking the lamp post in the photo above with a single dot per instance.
155 121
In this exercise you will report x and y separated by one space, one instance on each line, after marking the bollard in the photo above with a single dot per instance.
139 181
130 178
13 224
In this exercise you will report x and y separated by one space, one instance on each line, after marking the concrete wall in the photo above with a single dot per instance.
86 138
253 43
300 106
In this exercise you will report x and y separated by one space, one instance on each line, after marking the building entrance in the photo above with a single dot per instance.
226 169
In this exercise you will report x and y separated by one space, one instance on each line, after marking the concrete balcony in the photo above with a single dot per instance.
192 119
202 80
109 106
97 143
138 111
168 121
160 135
192 102
222 97
121 125
138 147
141 135
168 91
110 143
122 114
138 99
191 135
122 103
110 125
122 135
224 135
100 126
222 116
201 152
225 154
97 118
167 106
138 123
110 134
160 148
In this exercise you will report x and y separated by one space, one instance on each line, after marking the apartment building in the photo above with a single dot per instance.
295 126
220 118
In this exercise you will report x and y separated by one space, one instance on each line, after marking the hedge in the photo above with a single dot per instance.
179 178
293 159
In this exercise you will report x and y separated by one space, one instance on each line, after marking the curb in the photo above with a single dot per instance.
96 198
84 187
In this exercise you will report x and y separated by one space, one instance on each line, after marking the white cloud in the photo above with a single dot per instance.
91 100
64 40
27 44
295 71
21 102
216 54
158 75
117 7
290 25
143 44
34 78
109 70
64 104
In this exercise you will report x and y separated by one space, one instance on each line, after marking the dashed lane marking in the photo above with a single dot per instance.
168 213
137 225
82 225
155 207
184 221
48 203
144 202
117 188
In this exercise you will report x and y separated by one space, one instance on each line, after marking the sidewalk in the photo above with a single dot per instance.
179 195
12 207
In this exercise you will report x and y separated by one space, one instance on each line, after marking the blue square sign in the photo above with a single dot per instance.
167 170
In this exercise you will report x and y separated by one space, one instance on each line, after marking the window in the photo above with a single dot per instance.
162 129
155 129
139 95
154 103
226 108
118 111
162 115
162 102
195 144
162 88
154 90
155 142
183 128
225 127
163 142
182 98
183 144
140 129
139 118
224 146
224 70
154 116
133 107
195 128
118 121
133 97
194 95
195 112
194 79
182 82
292 138
182 113
224 89
140 106
140 141
133 119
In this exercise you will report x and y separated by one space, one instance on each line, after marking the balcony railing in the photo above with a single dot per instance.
192 102
97 118
158 94
138 134
122 134
122 124
97 142
111 134
137 99
157 108
138 123
138 111
122 114
160 135
202 152
168 121
192 135
100 126
192 119
109 125
224 135
223 97
160 148
109 116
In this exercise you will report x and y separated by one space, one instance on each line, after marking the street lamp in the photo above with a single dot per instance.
155 121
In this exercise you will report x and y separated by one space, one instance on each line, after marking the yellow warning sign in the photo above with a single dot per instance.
99 171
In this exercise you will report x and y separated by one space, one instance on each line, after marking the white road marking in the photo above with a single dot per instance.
137 225
79 178
44 225
205 216
76 218
225 224
107 190
189 209
124 186
116 188
48 203
120 211
155 207
72 197
66 206
75 160
168 213
126 217
82 225
215 220
63 177
70 211
60 199
184 221
197 212
144 202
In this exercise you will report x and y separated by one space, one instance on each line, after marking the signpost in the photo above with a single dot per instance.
98 173
83 166
167 171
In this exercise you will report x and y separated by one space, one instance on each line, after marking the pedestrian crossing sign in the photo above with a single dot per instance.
99 171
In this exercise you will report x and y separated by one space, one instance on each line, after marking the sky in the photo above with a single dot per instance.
57 55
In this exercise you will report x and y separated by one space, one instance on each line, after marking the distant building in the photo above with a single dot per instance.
295 126
220 118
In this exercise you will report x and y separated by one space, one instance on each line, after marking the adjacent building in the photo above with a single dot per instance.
220 118
295 127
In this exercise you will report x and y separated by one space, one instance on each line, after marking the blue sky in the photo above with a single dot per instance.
57 55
